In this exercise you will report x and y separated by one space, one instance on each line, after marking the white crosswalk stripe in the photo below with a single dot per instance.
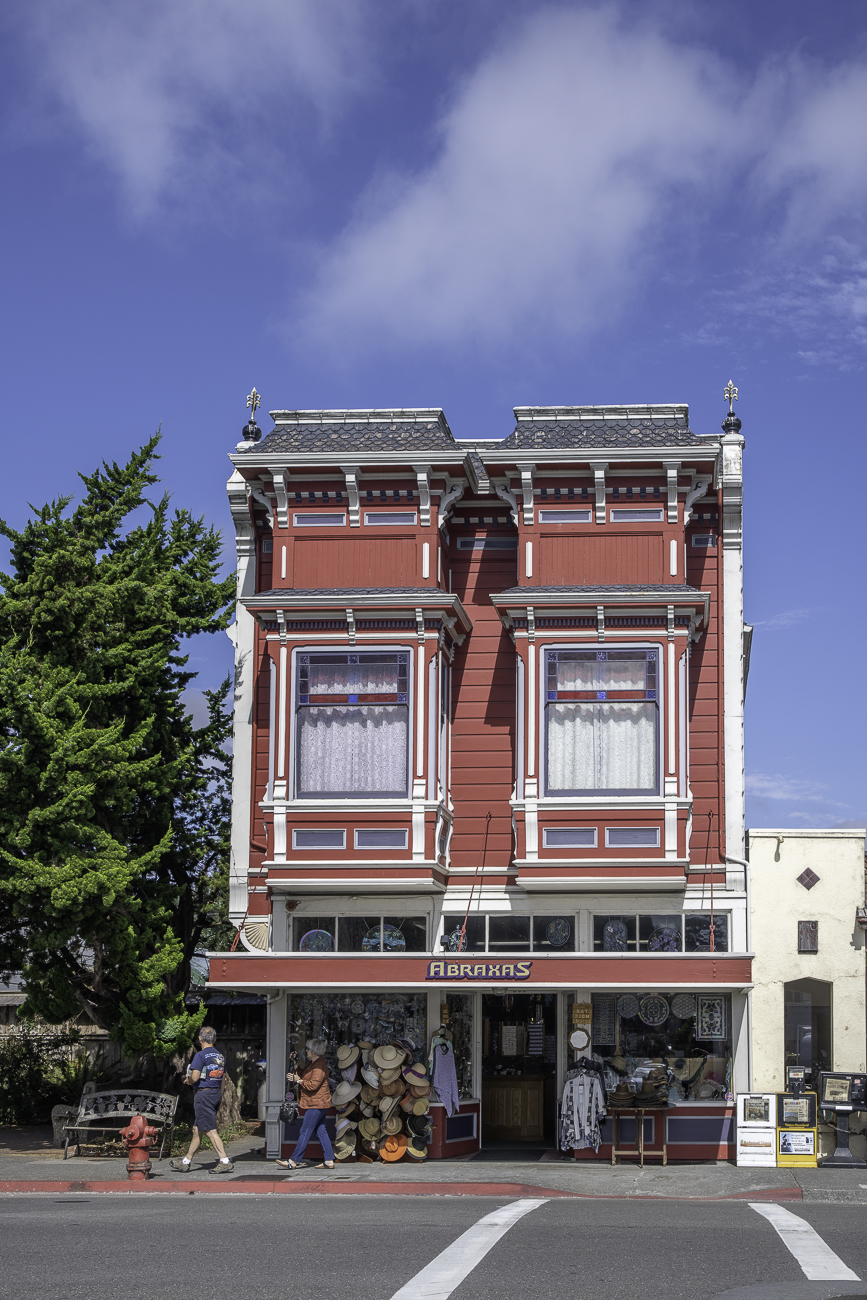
457 1261
816 1258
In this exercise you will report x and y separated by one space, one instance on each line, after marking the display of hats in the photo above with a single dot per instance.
420 1106
622 1095
345 1126
418 1124
618 1063
416 1149
392 1125
347 1108
345 1092
370 1095
407 1103
408 1046
420 1090
389 1076
369 1128
370 1146
345 1145
395 1042
370 1075
416 1074
364 1045
392 1147
368 1110
350 1074
347 1054
387 1057
387 1105
395 1089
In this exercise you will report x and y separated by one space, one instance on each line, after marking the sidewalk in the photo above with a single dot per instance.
28 1163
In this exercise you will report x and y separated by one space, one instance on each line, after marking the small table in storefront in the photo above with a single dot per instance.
637 1113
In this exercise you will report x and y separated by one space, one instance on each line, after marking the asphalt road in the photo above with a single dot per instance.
82 1247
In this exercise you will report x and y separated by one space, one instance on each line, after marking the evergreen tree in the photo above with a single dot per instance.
113 807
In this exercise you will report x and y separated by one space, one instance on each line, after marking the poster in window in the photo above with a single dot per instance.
710 1020
808 936
509 1040
604 1023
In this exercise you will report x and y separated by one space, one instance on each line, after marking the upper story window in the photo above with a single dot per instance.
352 725
602 722
626 515
564 516
321 519
384 517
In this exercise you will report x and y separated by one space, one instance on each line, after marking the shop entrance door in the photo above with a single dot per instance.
519 1071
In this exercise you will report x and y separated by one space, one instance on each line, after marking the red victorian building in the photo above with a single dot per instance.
488 756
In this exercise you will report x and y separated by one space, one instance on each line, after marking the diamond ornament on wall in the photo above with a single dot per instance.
808 878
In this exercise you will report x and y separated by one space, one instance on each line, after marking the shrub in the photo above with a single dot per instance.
29 1059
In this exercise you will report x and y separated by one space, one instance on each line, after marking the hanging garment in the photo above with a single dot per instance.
582 1111
443 1074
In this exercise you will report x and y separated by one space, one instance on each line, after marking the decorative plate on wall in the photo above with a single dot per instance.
579 1038
615 936
683 1006
317 941
653 1009
393 940
627 1006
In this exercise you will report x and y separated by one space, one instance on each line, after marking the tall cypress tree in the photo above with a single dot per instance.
113 806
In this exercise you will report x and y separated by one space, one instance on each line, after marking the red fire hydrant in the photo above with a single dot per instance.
138 1138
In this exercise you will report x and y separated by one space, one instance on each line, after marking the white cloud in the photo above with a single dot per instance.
788 618
166 92
575 153
762 785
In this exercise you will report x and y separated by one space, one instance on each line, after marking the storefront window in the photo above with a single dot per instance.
314 933
353 1017
689 1033
679 932
508 933
808 1026
458 1016
697 928
360 934
497 934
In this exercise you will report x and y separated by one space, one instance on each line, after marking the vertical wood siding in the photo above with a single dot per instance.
356 562
572 560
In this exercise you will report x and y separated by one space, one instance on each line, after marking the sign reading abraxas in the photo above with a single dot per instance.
479 970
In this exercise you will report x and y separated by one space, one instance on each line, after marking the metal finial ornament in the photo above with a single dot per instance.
254 401
730 394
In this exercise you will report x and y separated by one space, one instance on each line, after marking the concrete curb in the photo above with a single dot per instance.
269 1187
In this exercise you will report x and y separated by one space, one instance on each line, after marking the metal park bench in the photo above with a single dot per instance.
95 1108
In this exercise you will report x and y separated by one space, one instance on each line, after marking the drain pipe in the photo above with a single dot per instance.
743 862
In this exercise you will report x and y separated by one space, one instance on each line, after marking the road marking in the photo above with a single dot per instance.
457 1261
816 1258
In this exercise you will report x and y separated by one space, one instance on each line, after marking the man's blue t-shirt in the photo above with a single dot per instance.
212 1066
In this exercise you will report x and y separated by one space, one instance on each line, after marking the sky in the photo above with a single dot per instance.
472 204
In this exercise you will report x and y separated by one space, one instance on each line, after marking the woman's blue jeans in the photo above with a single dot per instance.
313 1122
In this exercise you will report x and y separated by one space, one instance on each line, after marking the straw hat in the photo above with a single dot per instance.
416 1074
387 1105
345 1092
387 1057
407 1103
369 1128
370 1095
389 1076
344 1127
396 1089
392 1125
392 1147
370 1146
420 1090
347 1111
364 1045
367 1111
420 1106
347 1054
416 1149
370 1075
345 1145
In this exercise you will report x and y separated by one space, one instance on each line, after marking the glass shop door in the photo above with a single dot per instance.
519 1072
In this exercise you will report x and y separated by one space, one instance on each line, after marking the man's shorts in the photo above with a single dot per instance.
206 1102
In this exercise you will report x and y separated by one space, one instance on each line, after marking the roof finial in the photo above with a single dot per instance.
251 431
731 424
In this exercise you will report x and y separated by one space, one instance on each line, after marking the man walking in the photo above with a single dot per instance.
205 1072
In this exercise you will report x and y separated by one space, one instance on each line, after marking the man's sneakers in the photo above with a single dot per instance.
223 1167
182 1166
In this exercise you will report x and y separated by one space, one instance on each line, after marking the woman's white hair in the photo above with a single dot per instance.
317 1046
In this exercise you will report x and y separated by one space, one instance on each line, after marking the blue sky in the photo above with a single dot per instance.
469 204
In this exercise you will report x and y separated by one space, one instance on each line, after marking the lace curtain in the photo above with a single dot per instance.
610 746
368 677
621 674
352 750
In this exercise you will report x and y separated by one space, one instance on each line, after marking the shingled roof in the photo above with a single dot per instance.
348 431
600 426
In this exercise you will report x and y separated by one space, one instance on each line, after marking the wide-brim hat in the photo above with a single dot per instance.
350 1074
388 1057
369 1128
367 1111
387 1105
370 1145
416 1149
393 1124
416 1074
345 1092
370 1095
404 1054
407 1103
421 1105
392 1147
364 1045
370 1075
418 1124
420 1089
389 1076
407 1044
346 1141
347 1054
344 1127
395 1089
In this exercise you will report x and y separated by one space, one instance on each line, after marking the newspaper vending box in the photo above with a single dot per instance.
796 1128
757 1128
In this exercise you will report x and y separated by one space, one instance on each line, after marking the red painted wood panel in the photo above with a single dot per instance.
569 559
356 562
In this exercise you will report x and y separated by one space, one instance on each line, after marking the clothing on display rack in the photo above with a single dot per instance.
443 1074
583 1107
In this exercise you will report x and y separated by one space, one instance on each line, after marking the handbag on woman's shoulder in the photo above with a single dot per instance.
289 1111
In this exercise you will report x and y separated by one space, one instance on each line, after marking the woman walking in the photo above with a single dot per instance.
314 1099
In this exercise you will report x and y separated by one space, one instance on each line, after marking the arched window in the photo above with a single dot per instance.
808 1026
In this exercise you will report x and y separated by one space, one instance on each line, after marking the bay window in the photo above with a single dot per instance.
352 725
602 722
